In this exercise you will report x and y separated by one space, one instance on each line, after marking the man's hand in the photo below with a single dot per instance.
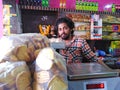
102 63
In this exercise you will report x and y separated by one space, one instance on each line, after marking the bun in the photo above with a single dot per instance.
50 71
14 75
41 77
23 46
36 86
23 80
22 53
57 83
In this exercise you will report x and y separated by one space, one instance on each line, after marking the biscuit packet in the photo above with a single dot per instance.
15 76
50 71
22 47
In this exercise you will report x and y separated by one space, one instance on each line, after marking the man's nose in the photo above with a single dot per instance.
63 30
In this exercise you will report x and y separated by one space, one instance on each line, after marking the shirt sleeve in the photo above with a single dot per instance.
87 52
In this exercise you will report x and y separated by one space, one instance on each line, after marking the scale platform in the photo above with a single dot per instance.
88 71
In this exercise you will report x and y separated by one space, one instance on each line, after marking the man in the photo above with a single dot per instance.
76 47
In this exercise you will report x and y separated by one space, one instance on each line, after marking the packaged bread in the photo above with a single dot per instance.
50 67
22 47
57 83
15 76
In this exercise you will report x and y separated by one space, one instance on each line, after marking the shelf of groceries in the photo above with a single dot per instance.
85 23
84 26
31 7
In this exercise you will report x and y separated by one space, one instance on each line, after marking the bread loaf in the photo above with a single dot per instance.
23 46
14 75
57 83
23 80
50 71
49 54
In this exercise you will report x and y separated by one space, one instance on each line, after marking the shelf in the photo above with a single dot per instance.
97 26
111 22
82 30
96 39
111 39
64 9
108 31
111 31
97 35
82 21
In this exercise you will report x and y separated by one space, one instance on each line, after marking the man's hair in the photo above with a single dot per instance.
66 20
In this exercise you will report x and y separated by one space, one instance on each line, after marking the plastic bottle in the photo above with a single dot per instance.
87 6
96 6
46 3
113 8
43 3
90 3
93 6
80 6
77 5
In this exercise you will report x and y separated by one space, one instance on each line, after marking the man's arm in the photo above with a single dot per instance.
103 64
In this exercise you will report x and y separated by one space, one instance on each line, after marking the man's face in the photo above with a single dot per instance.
64 31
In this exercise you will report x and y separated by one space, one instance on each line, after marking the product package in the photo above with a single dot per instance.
22 47
15 76
27 62
50 71
17 54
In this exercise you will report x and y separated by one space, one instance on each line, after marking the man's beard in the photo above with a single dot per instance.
64 36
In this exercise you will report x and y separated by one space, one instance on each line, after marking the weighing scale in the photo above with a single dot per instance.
92 76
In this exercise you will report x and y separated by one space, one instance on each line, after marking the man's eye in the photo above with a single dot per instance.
65 27
59 29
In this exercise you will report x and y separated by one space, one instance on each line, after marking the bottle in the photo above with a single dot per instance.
64 3
110 51
77 5
46 3
90 9
21 2
61 4
113 8
118 8
80 6
93 6
38 2
87 6
43 3
96 6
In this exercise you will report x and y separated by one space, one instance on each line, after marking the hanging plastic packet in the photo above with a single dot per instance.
50 71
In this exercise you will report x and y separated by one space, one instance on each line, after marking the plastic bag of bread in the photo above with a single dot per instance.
50 71
22 47
15 76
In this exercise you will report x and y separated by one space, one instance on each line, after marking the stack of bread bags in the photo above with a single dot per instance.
17 52
50 71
